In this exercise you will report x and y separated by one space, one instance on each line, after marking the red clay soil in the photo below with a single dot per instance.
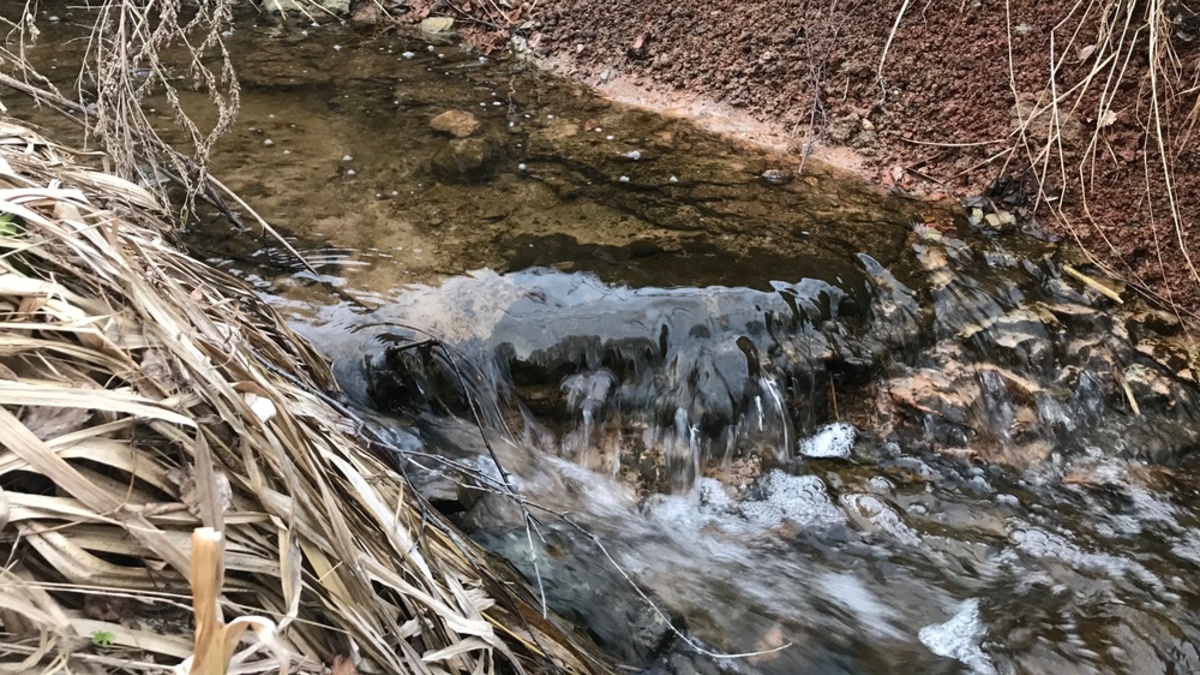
943 115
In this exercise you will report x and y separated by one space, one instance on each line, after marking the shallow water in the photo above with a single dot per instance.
831 426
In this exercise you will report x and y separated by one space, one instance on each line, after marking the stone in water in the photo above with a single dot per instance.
457 123
437 24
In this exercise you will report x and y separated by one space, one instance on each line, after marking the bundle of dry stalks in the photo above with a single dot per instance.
144 395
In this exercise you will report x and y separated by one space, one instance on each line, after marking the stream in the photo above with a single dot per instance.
725 418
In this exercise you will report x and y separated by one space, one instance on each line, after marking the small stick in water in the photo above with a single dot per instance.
1093 284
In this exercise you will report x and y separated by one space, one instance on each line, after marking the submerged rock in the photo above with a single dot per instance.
437 25
466 161
457 123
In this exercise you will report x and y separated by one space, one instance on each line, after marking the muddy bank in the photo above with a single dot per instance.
946 116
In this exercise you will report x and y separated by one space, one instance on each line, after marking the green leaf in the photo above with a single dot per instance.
10 225
103 638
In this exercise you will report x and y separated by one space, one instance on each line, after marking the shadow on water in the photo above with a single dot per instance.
808 419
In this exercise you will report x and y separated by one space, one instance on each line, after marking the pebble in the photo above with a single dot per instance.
287 152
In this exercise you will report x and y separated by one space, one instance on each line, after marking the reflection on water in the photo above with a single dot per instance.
748 417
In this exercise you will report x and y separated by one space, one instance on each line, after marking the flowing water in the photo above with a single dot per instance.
757 426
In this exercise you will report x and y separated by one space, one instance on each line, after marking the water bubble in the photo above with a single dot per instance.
408 55
549 117
521 166
635 155
351 172
608 137
624 179
673 179
268 142
347 158
337 48
597 129
430 48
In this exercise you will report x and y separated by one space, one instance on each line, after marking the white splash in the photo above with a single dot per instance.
833 440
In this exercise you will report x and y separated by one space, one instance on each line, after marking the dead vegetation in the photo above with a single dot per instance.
145 395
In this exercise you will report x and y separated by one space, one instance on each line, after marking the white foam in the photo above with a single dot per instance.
833 440
1048 545
959 638
800 500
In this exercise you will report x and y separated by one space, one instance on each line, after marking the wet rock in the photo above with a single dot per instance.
466 161
437 25
457 123
581 585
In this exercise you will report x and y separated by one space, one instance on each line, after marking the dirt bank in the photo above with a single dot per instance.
942 113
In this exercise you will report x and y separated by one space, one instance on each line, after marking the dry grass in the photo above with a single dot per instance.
144 395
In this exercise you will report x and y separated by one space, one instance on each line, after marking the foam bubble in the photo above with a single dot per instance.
800 500
959 638
833 440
